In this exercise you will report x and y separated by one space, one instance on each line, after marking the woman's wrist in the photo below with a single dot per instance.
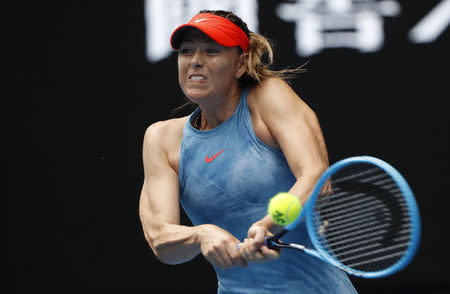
268 223
200 232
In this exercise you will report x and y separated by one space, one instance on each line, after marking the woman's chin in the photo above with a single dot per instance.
196 95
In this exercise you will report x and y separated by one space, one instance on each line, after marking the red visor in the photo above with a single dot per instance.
220 29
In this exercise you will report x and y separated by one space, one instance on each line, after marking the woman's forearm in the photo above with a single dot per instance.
171 243
304 186
177 244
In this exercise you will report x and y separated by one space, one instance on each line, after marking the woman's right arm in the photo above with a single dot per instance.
159 211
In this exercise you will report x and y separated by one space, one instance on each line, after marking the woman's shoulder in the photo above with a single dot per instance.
166 131
271 84
169 125
273 92
162 142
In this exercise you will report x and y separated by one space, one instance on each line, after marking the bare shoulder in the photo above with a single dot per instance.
272 84
165 130
165 136
274 96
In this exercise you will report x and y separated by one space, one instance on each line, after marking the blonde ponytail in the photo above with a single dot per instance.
257 69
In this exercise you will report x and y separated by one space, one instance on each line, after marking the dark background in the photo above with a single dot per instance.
81 94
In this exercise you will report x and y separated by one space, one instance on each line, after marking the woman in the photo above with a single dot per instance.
250 138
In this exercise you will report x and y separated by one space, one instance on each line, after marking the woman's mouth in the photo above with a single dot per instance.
197 78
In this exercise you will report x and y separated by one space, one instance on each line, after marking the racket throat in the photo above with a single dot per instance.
294 246
301 248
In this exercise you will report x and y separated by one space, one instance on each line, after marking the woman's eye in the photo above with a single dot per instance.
185 51
212 51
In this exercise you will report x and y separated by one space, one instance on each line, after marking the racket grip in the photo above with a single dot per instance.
267 242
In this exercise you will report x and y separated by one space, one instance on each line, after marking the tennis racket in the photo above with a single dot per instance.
361 217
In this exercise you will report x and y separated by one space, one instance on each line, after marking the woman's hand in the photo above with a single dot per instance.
219 247
253 248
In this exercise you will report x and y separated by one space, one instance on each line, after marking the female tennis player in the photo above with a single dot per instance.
250 138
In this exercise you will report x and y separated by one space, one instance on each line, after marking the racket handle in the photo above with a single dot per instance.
267 242
270 241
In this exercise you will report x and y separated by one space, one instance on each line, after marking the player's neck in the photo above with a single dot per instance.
212 115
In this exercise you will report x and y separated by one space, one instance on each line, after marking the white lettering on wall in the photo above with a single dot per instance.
324 24
432 25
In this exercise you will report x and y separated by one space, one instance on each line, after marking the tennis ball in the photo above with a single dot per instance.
284 208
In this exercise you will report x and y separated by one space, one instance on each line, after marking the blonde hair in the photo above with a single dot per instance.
258 69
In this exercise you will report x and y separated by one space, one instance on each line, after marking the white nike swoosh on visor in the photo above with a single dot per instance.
200 19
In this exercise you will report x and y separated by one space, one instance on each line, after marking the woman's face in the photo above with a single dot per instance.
207 69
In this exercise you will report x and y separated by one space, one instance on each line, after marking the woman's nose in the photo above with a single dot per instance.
197 59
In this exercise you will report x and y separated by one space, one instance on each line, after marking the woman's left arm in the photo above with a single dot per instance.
295 128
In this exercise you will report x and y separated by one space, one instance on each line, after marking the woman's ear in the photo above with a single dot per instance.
242 67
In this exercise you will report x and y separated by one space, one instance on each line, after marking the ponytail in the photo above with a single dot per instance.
259 59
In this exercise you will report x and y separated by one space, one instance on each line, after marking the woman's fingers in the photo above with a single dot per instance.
270 254
252 250
257 235
219 248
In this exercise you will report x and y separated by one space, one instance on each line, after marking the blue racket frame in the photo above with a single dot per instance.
413 210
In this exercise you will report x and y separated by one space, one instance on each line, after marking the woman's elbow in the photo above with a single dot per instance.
157 247
163 250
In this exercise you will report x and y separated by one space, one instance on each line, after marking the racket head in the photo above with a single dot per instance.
400 215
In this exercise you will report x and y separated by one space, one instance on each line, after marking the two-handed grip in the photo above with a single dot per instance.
267 242
270 241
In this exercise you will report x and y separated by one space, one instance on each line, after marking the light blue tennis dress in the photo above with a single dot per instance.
227 176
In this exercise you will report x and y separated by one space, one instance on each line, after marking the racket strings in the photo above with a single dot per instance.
358 229
364 222
363 174
346 215
365 253
348 210
355 244
338 193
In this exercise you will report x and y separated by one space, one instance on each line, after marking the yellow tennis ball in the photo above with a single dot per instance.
284 208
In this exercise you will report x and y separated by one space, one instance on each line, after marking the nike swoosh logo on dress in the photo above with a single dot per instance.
208 160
